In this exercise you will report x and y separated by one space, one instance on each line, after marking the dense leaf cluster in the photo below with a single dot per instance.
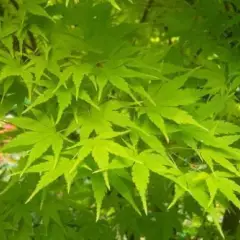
127 117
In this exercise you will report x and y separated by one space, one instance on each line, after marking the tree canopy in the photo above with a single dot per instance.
120 119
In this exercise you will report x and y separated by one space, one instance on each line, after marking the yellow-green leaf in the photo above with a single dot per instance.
99 190
140 175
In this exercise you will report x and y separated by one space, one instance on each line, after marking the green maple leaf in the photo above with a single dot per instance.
143 93
140 175
216 79
210 155
178 193
84 151
99 190
221 127
101 156
159 122
121 84
198 190
229 139
51 175
51 211
179 116
213 213
42 98
212 188
122 188
228 188
101 82
101 120
36 9
158 163
100 149
42 137
64 98
79 72
85 97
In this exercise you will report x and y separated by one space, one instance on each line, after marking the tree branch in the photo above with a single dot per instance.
146 11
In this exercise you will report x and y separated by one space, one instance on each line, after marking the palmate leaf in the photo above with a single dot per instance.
101 82
220 158
85 97
14 69
6 85
28 123
121 84
84 151
178 193
51 211
159 122
227 188
206 137
140 175
130 73
158 163
118 163
173 85
235 83
99 190
229 139
193 183
51 175
57 145
117 77
64 97
44 97
100 150
28 79
179 116
92 123
210 108
38 149
39 65
42 137
39 168
216 79
10 70
79 72
142 92
101 156
213 213
154 143
36 9
207 158
121 119
69 178
200 194
180 97
111 134
122 188
24 139
118 150
221 127
101 120
212 188
52 139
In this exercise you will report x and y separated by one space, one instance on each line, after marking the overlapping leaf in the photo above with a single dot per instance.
41 138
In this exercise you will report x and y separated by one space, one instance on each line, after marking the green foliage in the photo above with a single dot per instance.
127 118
